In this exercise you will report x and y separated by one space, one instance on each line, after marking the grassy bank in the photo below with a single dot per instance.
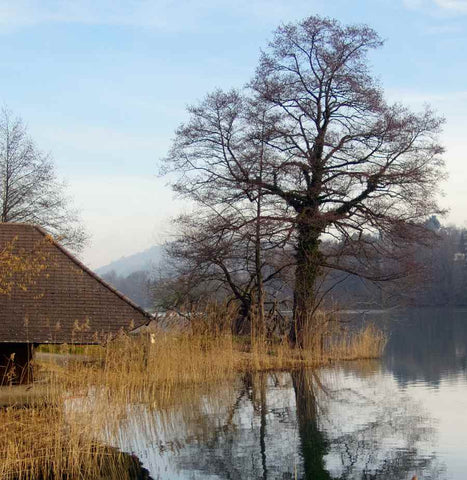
54 436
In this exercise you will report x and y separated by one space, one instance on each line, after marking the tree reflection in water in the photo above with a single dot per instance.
384 445
293 426
314 445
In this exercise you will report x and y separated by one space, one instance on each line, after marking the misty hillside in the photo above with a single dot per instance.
147 260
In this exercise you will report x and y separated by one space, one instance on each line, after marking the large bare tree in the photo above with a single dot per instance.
337 160
30 191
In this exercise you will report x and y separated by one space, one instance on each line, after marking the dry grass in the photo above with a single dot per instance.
367 343
55 436
40 443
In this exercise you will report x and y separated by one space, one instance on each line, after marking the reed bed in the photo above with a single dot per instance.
42 442
55 436
364 344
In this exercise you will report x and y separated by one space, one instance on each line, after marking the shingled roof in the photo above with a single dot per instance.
66 302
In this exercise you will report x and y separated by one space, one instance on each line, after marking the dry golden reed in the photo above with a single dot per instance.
56 434
39 443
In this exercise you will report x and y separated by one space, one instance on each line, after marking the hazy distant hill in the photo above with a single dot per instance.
148 260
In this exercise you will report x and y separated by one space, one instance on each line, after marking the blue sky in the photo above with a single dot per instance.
102 85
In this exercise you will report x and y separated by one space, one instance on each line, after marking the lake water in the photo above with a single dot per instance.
403 415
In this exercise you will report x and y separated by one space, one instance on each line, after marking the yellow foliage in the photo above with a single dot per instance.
20 268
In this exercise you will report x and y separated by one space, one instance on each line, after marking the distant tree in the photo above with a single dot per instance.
433 223
29 189
339 160
137 286
444 281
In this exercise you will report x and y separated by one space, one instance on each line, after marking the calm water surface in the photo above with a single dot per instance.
390 419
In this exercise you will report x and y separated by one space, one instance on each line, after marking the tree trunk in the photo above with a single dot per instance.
309 258
242 324
260 318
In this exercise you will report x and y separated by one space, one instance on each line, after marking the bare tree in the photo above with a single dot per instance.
226 257
29 189
338 160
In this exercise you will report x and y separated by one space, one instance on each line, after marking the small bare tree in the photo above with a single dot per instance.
29 189
225 257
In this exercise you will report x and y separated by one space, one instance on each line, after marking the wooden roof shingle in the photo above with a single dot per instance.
64 303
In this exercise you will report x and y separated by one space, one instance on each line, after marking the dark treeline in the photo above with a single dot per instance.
439 276
436 275
137 286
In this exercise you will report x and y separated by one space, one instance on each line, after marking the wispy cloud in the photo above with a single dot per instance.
454 5
446 29
160 14
413 4
416 98
448 6
136 12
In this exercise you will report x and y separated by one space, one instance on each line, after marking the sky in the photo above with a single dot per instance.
103 84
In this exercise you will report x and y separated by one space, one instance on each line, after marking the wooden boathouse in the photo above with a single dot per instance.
47 296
